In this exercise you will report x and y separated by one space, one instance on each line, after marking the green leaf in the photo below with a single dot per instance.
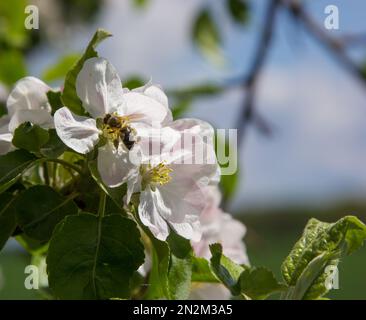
181 108
362 67
30 137
32 246
229 185
60 68
158 278
258 283
133 82
12 31
197 91
83 12
65 177
69 96
239 10
54 99
12 67
12 165
185 96
140 3
39 209
94 257
229 182
54 146
201 271
355 234
180 267
171 271
313 277
7 217
89 193
3 110
321 245
250 282
207 37
226 270
116 194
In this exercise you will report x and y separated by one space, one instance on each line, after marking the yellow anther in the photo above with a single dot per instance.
113 125
157 175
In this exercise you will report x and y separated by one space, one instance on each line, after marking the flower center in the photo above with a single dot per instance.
116 128
157 175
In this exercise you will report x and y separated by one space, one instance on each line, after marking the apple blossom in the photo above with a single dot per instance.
118 116
218 226
26 102
171 183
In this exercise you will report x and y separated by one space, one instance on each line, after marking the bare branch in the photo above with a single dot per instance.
249 113
334 45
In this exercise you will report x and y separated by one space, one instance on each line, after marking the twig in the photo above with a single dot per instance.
333 44
353 39
249 85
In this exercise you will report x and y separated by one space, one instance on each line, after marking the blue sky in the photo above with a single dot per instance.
318 111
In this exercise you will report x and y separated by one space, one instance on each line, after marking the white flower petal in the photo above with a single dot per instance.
146 267
213 199
133 185
209 291
150 214
3 92
189 230
154 92
217 226
180 203
200 157
5 136
231 236
153 140
5 143
78 133
114 165
4 123
28 94
194 126
40 117
157 94
142 108
183 197
99 87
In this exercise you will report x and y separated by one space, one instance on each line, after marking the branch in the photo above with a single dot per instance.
334 45
353 39
250 83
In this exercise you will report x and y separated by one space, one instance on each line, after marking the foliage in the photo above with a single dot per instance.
206 33
58 70
12 66
94 249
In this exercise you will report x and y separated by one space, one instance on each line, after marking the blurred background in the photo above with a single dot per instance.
295 91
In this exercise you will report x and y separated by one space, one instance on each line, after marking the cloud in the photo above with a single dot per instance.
155 41
318 151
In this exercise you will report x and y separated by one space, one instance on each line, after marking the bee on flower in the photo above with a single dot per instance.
126 124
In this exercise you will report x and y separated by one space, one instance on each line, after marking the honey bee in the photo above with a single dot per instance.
124 132
127 138
112 121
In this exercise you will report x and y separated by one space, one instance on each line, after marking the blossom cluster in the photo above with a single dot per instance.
170 166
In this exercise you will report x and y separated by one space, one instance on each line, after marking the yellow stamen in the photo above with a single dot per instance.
157 175
113 125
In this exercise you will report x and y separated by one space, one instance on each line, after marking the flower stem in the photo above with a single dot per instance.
102 202
62 162
45 174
